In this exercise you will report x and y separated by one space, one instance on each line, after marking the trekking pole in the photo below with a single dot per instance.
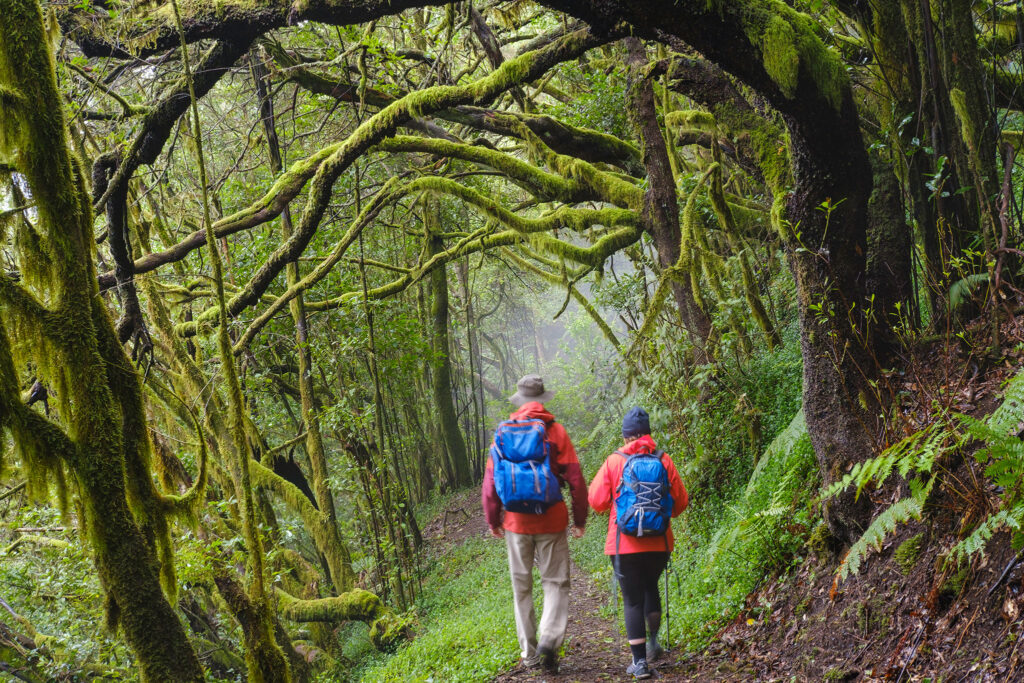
668 568
615 597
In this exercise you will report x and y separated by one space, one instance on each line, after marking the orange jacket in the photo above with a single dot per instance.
605 485
566 467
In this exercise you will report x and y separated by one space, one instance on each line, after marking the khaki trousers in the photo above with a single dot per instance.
551 553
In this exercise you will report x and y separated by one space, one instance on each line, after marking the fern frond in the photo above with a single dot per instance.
900 512
1007 416
961 290
975 543
915 453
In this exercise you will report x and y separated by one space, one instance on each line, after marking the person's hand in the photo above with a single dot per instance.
578 531
498 533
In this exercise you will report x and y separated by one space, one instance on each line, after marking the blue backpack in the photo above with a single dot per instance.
643 501
522 467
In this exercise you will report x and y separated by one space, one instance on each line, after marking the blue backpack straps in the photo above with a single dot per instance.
523 476
643 500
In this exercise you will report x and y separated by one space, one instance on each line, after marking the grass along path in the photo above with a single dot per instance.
466 627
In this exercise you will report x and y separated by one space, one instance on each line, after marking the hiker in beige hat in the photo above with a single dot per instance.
530 460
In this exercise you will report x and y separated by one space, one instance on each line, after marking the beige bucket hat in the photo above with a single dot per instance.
530 388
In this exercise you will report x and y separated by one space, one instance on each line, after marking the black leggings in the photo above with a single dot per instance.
638 578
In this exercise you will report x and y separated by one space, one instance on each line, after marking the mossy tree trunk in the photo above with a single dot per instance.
773 49
60 300
890 264
264 658
441 377
953 182
337 555
660 207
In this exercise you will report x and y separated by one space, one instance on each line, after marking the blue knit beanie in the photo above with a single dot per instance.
636 423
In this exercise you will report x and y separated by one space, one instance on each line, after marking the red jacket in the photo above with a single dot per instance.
565 466
602 497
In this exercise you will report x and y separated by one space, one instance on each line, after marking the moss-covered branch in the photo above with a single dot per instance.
543 185
563 217
386 628
148 28
382 125
594 255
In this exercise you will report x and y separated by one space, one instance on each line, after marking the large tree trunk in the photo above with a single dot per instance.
890 263
62 275
811 91
661 210
958 123
828 258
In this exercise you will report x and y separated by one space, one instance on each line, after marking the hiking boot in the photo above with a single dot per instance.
639 669
548 660
654 651
531 663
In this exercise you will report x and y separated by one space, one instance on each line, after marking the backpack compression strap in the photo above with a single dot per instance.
658 453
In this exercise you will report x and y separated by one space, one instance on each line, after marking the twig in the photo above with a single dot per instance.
913 653
1006 572
11 492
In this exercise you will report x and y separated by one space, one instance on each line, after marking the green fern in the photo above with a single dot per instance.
776 507
916 453
963 289
1008 415
900 512
1003 455
975 543
913 458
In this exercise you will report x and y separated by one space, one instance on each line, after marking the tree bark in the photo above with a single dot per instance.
454 442
337 556
829 204
94 447
661 210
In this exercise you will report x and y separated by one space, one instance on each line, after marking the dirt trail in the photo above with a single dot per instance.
595 650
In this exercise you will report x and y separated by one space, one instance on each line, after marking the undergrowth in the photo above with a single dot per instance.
466 629
726 550
918 459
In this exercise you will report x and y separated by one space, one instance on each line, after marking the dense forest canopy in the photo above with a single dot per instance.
271 269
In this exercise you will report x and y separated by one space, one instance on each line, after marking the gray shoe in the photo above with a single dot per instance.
531 663
654 651
639 669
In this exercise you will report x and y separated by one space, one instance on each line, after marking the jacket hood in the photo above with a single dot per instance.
645 444
533 411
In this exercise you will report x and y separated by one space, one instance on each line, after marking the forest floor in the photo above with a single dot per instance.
908 615
594 649
905 617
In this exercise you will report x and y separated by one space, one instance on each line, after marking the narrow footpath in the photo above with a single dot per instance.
595 649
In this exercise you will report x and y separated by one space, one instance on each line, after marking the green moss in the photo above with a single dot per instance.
780 55
872 616
789 44
692 119
909 552
956 581
390 630
958 99
837 673
820 540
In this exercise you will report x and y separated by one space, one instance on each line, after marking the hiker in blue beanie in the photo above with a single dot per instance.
641 487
